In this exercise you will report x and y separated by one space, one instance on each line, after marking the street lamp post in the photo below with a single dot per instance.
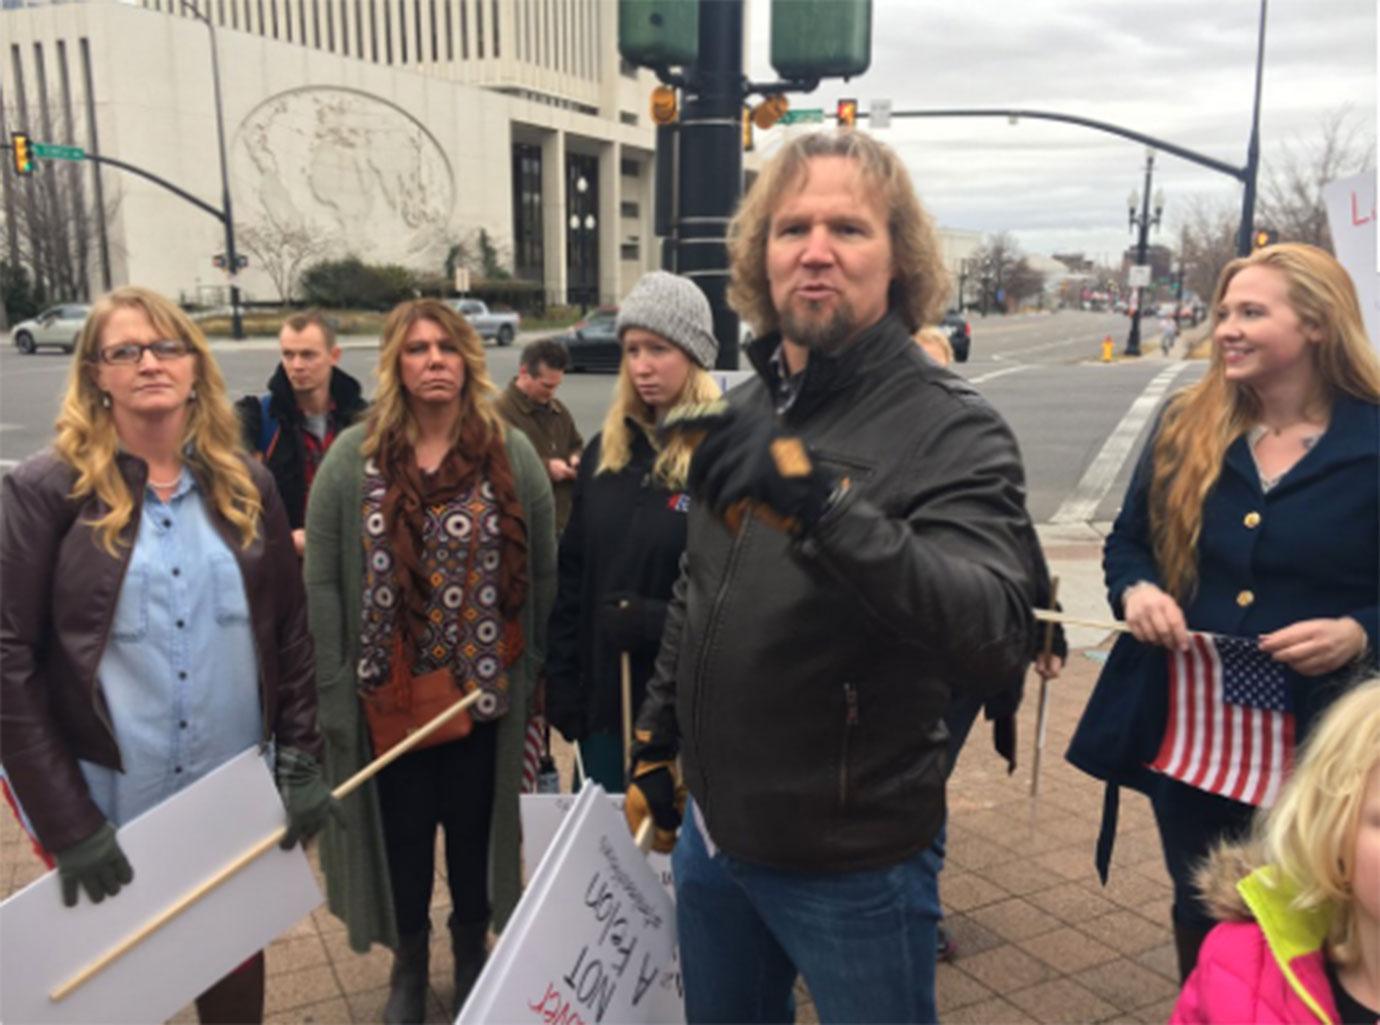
232 258
1144 221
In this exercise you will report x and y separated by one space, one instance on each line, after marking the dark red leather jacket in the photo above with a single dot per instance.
60 588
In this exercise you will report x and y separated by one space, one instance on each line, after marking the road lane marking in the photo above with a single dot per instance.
1081 504
1002 356
994 374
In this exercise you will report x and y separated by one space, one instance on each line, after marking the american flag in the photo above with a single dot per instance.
533 747
1230 731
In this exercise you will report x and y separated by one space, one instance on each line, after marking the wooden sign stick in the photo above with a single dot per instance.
266 844
1042 713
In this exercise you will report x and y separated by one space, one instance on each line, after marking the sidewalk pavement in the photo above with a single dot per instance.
1039 939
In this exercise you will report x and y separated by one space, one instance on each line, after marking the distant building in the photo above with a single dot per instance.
390 129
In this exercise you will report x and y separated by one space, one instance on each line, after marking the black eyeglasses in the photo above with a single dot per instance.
133 352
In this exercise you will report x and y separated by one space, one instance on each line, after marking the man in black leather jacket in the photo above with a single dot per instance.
885 563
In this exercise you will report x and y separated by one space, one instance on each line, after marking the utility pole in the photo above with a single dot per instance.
710 165
1144 221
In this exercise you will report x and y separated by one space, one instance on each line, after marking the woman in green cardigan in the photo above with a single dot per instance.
430 546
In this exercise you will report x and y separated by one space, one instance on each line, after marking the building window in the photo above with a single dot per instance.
495 17
528 252
631 250
582 229
627 117
629 208
479 29
630 168
450 29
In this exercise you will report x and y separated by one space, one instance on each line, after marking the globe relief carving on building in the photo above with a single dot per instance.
347 166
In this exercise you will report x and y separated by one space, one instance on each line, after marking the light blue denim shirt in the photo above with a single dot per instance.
179 671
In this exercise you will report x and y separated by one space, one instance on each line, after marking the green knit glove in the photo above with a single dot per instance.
96 864
306 797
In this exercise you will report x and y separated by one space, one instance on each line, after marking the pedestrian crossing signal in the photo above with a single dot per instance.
1265 237
21 148
848 113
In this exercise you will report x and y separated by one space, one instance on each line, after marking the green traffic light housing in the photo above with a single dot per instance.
821 38
22 149
655 33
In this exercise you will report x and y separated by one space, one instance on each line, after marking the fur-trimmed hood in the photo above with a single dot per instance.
1217 879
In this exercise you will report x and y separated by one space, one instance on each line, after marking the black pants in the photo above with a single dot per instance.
1190 823
452 786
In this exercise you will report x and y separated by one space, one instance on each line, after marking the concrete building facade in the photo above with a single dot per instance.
388 129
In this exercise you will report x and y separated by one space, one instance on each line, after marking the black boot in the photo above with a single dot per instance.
407 984
1186 944
469 942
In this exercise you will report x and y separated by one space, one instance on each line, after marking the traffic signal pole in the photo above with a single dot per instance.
710 165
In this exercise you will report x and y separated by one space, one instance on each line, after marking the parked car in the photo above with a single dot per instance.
58 325
960 334
501 327
593 342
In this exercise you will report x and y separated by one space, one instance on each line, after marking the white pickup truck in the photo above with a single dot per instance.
502 327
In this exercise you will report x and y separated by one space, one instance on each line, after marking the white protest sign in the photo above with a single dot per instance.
542 815
1351 216
592 938
172 848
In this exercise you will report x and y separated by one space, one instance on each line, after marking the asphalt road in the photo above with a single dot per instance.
1079 422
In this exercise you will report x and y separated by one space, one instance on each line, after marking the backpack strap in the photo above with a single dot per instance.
269 428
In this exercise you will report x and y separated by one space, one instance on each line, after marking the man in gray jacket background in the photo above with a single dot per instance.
859 551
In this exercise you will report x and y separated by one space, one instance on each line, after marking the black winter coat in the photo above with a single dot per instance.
804 680
624 539
287 460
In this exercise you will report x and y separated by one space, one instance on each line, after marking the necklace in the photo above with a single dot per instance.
165 483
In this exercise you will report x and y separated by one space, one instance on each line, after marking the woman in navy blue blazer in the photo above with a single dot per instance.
1254 512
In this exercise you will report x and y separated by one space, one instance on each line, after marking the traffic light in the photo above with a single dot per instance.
770 110
848 113
821 38
1264 237
747 129
664 105
21 148
659 32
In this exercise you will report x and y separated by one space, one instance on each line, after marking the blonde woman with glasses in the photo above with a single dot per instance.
160 627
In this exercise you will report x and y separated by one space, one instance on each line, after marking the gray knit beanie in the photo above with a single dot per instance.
674 308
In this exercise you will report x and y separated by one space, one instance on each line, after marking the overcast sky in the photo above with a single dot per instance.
1182 70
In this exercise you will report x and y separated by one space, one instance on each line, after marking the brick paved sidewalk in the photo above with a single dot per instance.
1039 939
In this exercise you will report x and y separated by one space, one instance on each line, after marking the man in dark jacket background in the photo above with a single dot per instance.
858 552
309 401
529 403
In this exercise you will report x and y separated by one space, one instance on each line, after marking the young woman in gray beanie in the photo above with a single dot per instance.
621 549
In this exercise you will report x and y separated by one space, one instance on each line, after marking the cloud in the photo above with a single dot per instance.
1175 69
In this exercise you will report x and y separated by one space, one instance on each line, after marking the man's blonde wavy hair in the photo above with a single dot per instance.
87 440
1202 421
672 465
390 413
920 285
1310 833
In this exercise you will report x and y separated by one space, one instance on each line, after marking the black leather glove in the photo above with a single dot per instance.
654 791
630 622
306 797
745 458
96 864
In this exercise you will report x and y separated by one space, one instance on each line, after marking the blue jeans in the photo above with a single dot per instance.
864 941
962 713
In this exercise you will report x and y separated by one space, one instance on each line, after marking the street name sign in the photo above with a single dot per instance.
51 152
804 116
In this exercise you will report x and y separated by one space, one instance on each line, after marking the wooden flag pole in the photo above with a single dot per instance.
266 844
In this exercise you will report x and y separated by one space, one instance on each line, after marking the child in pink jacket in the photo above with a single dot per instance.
1300 903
